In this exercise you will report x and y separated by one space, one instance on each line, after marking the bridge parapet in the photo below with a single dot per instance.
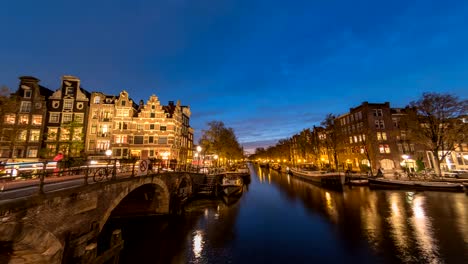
61 222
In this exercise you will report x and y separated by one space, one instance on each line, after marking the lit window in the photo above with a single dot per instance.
387 148
24 119
77 133
122 113
121 139
52 133
34 135
32 152
350 139
10 119
37 120
381 149
64 133
97 100
21 136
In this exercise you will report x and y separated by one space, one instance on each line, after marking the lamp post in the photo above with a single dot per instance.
216 161
199 149
108 155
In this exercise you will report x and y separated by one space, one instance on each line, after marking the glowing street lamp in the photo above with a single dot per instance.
405 158
215 157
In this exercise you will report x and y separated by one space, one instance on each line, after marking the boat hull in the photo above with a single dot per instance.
232 190
329 180
415 185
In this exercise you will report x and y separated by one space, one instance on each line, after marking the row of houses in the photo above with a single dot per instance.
371 135
37 123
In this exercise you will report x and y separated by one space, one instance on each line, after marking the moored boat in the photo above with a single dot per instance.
415 185
231 184
334 180
276 166
358 182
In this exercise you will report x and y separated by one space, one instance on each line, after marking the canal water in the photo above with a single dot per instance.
281 219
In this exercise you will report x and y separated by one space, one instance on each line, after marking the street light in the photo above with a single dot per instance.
108 154
405 158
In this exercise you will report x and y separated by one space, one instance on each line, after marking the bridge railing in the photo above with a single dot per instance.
40 175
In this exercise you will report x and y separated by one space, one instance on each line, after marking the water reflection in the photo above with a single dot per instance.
283 219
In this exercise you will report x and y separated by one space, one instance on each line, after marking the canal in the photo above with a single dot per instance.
281 219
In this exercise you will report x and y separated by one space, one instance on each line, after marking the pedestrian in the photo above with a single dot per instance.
58 158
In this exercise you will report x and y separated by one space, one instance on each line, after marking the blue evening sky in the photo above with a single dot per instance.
266 68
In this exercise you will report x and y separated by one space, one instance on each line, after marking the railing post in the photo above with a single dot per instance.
86 174
114 171
42 178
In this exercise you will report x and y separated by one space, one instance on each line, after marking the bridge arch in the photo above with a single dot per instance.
162 193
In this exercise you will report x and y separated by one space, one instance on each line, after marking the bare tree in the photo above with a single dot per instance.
435 120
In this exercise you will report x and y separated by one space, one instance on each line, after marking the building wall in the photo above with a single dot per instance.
65 125
22 123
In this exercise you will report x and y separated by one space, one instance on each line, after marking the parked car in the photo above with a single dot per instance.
458 174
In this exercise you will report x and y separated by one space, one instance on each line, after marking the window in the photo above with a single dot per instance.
120 139
97 100
37 120
27 94
381 136
79 118
377 112
77 133
68 104
64 133
67 117
55 104
122 113
151 126
92 144
21 136
54 117
153 115
25 107
153 107
79 105
139 126
69 90
350 139
32 152
411 146
34 135
379 124
138 140
162 128
118 152
150 139
9 119
400 148
396 122
123 103
23 119
151 153
162 140
387 148
52 133
7 134
403 134
93 129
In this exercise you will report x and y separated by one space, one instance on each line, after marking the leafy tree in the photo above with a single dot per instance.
435 121
220 140
331 140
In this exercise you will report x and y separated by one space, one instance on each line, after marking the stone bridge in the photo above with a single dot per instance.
63 226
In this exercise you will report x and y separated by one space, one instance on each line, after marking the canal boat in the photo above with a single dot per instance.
234 198
231 184
243 169
415 185
276 167
334 180
358 182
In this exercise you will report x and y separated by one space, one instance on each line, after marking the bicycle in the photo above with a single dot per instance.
103 173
